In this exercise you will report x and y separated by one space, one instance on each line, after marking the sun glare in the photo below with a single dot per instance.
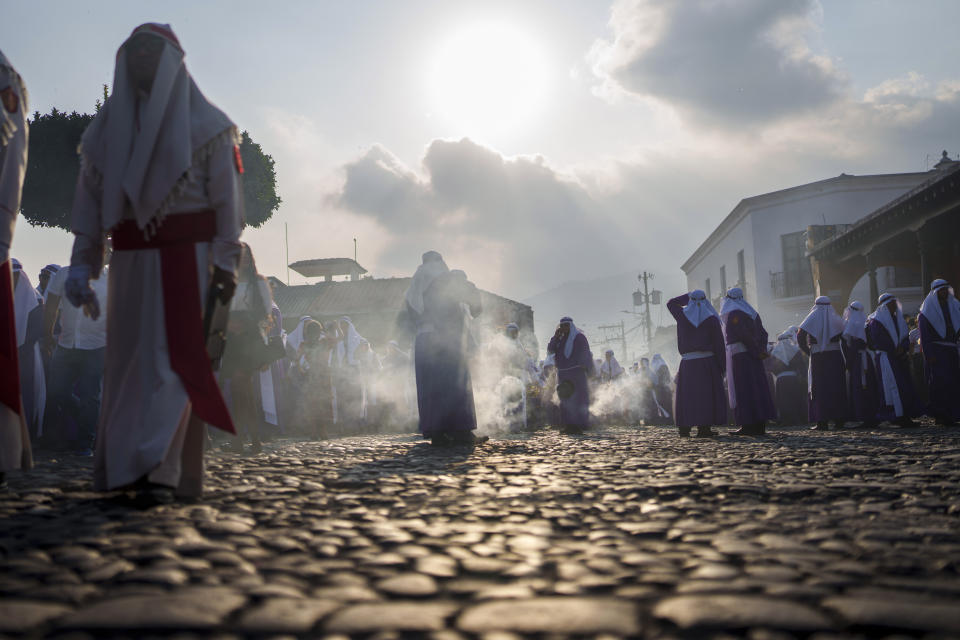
487 79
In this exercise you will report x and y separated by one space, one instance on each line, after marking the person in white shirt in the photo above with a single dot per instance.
76 364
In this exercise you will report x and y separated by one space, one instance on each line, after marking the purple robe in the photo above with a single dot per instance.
575 410
863 393
754 402
790 388
444 386
941 368
700 399
897 355
827 397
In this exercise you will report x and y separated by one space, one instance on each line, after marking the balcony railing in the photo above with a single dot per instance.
784 287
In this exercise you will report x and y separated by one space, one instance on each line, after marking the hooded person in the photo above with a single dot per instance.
699 400
661 386
28 307
14 437
610 368
348 378
939 323
788 365
748 388
574 364
862 387
43 279
819 337
160 171
888 336
441 302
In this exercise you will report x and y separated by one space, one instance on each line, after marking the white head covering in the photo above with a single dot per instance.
611 367
785 348
698 308
658 362
574 332
933 312
178 128
24 301
432 267
890 323
295 338
823 323
855 321
14 134
734 302
347 348
10 123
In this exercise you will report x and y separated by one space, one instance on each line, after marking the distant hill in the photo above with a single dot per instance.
599 301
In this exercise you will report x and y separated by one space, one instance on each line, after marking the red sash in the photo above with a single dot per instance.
9 362
182 314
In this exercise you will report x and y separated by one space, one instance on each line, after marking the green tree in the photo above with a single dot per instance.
53 167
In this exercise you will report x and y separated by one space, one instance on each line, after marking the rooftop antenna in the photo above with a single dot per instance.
354 249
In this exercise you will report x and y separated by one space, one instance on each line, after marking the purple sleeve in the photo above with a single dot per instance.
719 348
927 334
804 340
676 305
553 345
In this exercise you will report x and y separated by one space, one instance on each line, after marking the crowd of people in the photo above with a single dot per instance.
831 369
196 340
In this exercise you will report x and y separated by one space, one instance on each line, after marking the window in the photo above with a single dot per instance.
741 269
797 277
723 279
707 290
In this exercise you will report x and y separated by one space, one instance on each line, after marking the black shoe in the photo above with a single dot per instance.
684 432
256 448
153 495
839 424
946 422
706 432
905 423
571 429
821 426
745 430
3 481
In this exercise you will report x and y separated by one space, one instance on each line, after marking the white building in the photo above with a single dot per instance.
761 246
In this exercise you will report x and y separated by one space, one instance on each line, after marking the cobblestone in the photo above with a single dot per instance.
618 533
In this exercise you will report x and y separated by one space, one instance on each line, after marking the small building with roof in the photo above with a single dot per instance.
375 304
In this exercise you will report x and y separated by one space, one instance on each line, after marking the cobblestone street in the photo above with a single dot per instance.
622 532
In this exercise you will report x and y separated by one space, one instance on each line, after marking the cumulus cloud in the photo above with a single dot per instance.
731 62
514 222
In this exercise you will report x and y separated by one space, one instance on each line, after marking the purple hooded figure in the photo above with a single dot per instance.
574 362
939 323
819 338
700 400
748 388
887 334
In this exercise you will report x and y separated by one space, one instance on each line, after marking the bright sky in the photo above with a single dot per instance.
603 138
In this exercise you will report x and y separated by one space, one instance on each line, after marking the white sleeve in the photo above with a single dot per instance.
57 282
13 165
225 190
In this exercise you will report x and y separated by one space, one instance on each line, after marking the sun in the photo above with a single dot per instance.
487 79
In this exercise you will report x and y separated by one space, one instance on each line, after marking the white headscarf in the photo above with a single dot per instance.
611 367
786 347
657 363
855 321
295 337
823 323
933 312
24 301
10 123
889 322
14 134
432 267
698 308
347 347
178 129
574 332
734 302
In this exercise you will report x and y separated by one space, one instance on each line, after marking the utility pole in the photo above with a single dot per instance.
623 341
646 300
354 249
